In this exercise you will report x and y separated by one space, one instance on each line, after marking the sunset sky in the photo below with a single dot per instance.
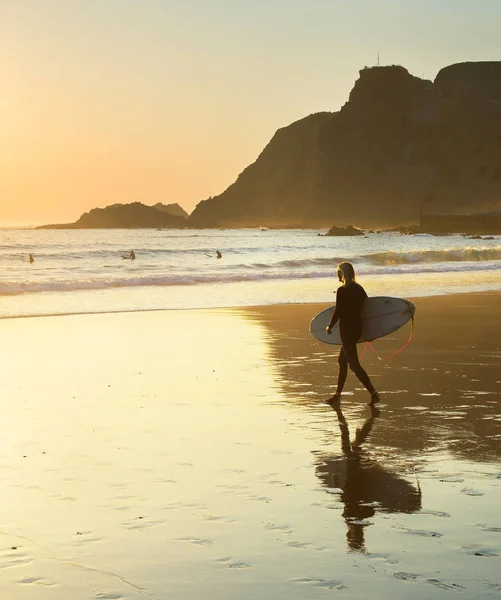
106 101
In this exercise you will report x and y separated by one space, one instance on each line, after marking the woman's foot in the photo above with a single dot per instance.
375 398
334 400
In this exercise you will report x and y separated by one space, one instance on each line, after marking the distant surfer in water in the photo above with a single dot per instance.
349 302
218 254
131 256
31 259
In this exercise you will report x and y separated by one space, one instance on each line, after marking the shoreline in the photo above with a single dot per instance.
324 304
85 274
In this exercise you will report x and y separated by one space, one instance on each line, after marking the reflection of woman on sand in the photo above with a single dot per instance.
349 302
365 485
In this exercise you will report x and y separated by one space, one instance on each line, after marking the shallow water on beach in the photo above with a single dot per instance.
147 466
81 271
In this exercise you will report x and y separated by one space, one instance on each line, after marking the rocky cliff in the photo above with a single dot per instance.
126 216
400 143
172 209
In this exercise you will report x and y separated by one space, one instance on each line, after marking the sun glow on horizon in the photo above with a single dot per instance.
165 102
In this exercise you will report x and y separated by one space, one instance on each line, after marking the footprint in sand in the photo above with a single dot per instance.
86 537
230 563
197 541
330 584
125 497
277 482
479 551
281 528
384 557
301 545
446 586
470 492
492 529
407 576
221 519
36 581
140 523
14 558
434 513
189 505
329 505
424 533
257 498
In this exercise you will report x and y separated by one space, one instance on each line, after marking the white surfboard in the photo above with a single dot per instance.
381 315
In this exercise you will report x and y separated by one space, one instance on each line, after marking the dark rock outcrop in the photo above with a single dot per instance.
343 231
123 216
399 143
172 209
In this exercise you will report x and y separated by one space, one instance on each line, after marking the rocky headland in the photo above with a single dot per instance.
402 152
127 216
399 144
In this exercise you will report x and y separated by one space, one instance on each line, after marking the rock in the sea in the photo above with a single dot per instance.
340 231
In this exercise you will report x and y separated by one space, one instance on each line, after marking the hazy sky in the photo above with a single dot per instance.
105 101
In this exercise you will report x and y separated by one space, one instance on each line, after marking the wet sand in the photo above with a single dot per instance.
191 454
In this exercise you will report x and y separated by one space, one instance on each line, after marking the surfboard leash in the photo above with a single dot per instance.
369 344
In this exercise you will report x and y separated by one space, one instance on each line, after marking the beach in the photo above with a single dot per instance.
192 454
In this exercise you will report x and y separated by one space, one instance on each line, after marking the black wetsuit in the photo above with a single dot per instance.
349 303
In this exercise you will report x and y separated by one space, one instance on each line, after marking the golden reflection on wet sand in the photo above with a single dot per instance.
362 483
191 454
443 389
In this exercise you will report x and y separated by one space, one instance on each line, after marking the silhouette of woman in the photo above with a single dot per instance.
349 302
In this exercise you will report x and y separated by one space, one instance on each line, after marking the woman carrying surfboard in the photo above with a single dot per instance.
349 302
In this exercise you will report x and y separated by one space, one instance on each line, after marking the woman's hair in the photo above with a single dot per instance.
347 271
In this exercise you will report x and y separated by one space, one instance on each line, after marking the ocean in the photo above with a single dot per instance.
81 271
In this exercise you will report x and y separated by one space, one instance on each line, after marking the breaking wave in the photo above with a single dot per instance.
381 259
434 256
253 274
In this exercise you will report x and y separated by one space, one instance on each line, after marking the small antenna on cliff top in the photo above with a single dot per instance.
378 59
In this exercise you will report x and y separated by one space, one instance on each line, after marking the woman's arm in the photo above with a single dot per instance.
335 314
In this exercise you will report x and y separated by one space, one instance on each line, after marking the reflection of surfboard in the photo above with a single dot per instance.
381 315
